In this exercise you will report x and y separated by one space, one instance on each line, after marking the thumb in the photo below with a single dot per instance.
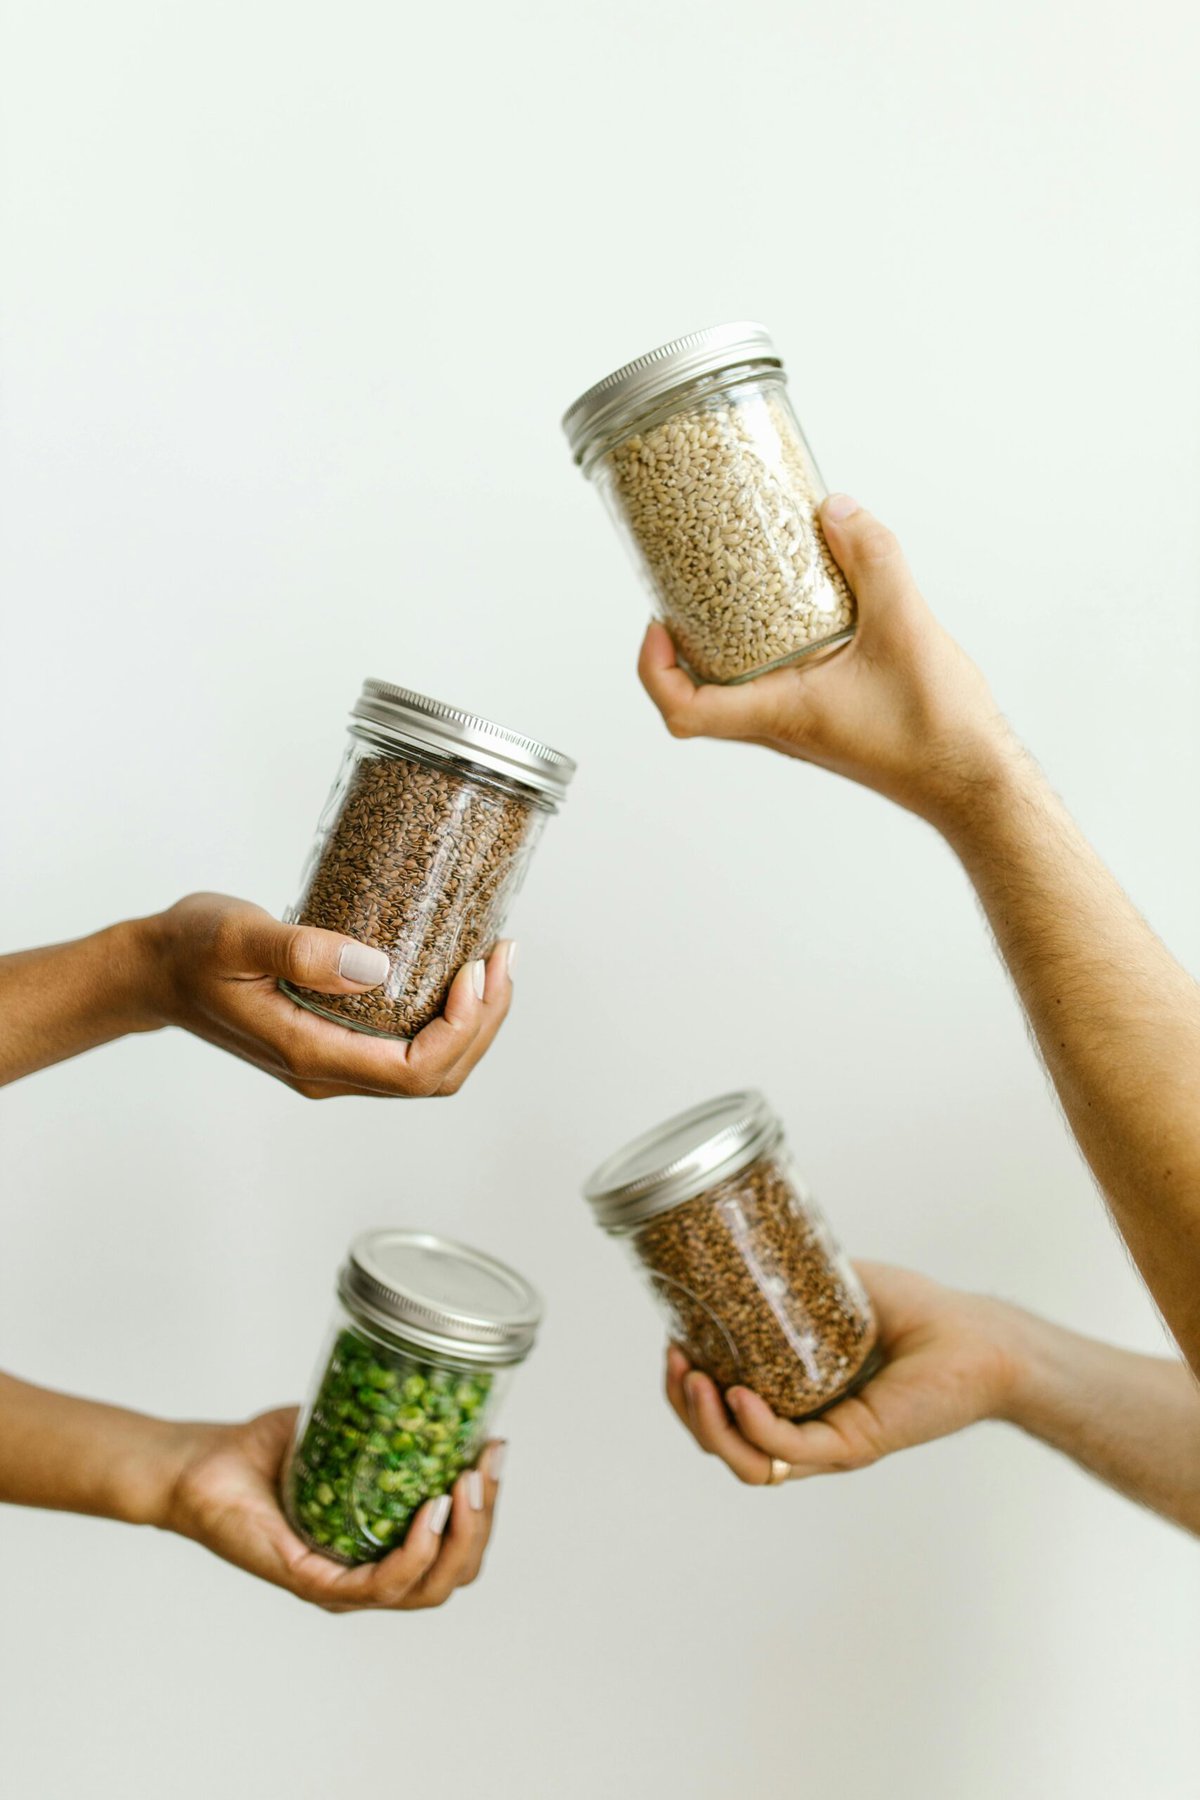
310 957
868 554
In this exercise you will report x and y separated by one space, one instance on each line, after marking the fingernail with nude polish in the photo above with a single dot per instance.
478 977
358 962
839 507
475 1490
439 1512
496 1459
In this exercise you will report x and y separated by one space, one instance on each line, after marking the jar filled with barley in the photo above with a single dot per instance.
698 454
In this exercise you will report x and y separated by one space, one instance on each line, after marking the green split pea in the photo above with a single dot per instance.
387 1432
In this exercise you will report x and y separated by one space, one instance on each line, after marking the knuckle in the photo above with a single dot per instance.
864 1455
497 1012
678 723
865 1445
301 958
305 1067
295 1063
423 1083
392 1598
225 944
876 543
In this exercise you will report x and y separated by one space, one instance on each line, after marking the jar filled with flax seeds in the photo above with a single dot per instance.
425 1336
698 454
753 1285
421 847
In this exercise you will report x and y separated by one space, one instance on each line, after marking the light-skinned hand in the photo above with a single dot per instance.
900 708
950 1360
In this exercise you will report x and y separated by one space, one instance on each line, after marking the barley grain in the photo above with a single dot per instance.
721 499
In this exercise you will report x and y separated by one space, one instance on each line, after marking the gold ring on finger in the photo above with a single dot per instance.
780 1471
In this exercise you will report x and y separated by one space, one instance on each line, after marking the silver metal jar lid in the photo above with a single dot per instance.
398 714
680 1159
440 1296
632 388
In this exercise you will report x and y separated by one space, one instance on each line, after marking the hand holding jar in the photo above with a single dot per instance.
226 1497
223 962
739 1256
900 708
949 1360
952 1360
212 965
219 1485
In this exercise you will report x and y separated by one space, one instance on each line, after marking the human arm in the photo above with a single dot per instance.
212 965
953 1360
219 1485
903 710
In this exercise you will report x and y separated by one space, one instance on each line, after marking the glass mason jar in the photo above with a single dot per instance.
421 847
406 1390
697 451
753 1285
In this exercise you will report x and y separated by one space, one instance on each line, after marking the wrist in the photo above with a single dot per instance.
143 953
112 981
154 1480
967 772
999 1359
143 1462
995 779
1030 1358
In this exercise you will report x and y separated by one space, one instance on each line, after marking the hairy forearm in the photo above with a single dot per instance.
81 1456
64 999
1115 1017
1133 1421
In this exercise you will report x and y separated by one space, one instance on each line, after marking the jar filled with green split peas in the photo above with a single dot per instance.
407 1388
703 465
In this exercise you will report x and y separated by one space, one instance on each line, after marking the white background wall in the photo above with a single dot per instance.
295 296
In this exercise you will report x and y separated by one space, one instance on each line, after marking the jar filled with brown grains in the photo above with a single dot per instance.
421 847
754 1287
705 469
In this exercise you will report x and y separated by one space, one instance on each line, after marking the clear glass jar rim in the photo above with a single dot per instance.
496 1324
394 1340
405 717
681 1159
637 385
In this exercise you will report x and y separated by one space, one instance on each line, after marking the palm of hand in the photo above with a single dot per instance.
222 961
945 1367
228 1500
228 1497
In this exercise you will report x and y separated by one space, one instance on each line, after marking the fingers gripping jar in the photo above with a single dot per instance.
698 454
421 848
406 1389
752 1284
